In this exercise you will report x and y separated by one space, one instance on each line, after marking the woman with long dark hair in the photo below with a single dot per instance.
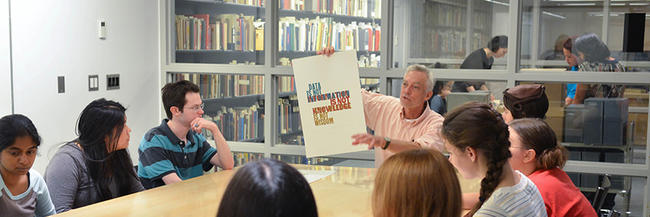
477 140
96 166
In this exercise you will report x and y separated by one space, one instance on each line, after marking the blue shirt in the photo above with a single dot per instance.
571 88
35 201
162 153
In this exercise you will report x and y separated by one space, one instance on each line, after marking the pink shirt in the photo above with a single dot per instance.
385 115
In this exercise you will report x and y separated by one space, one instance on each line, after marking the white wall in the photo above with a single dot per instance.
53 38
5 76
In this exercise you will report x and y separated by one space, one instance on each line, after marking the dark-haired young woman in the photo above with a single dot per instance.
536 153
596 57
267 188
23 191
96 166
476 138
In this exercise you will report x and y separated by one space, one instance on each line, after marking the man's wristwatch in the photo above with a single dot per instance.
387 143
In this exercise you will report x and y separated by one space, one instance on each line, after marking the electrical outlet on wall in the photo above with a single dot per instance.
113 82
61 84
93 82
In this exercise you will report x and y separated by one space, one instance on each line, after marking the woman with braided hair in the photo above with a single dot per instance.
476 138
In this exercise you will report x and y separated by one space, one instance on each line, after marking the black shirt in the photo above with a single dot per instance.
476 60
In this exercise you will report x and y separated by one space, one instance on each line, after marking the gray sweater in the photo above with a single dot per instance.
69 182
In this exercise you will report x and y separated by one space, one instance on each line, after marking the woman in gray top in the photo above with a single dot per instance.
96 166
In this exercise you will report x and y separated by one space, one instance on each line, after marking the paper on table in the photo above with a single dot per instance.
315 175
329 98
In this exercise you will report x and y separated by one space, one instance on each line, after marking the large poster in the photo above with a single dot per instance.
329 98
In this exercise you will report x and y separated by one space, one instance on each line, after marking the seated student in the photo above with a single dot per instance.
536 153
525 101
477 141
438 102
418 182
270 188
22 190
96 166
176 150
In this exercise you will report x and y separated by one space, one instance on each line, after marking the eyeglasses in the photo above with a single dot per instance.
197 107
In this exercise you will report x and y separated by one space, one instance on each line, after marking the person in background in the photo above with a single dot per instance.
418 183
400 124
556 53
176 150
571 59
477 140
537 154
438 102
96 166
525 101
23 192
596 57
482 59
270 188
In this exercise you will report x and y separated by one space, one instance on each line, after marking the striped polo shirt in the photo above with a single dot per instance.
162 153
520 200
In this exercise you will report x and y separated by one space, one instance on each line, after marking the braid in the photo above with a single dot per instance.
497 153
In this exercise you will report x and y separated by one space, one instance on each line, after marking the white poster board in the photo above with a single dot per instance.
329 98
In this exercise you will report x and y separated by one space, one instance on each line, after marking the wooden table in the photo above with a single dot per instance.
346 192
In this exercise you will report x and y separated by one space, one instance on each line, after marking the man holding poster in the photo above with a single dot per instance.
400 124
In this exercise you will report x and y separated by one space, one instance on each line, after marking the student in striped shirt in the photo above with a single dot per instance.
175 150
476 138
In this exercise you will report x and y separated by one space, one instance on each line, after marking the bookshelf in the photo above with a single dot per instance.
219 31
232 31
445 28
306 26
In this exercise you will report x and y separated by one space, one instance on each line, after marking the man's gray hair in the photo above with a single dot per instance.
421 68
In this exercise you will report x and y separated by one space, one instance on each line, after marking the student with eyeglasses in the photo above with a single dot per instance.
537 154
176 150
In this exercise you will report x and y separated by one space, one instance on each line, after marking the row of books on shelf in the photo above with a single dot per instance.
257 3
239 123
447 41
450 16
242 158
315 34
481 20
289 115
445 15
287 84
220 86
226 32
356 8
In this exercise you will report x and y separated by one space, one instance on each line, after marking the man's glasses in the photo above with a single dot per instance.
197 107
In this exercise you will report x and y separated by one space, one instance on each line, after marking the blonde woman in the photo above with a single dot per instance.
418 182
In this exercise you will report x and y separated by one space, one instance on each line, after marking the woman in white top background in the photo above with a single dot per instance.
476 138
